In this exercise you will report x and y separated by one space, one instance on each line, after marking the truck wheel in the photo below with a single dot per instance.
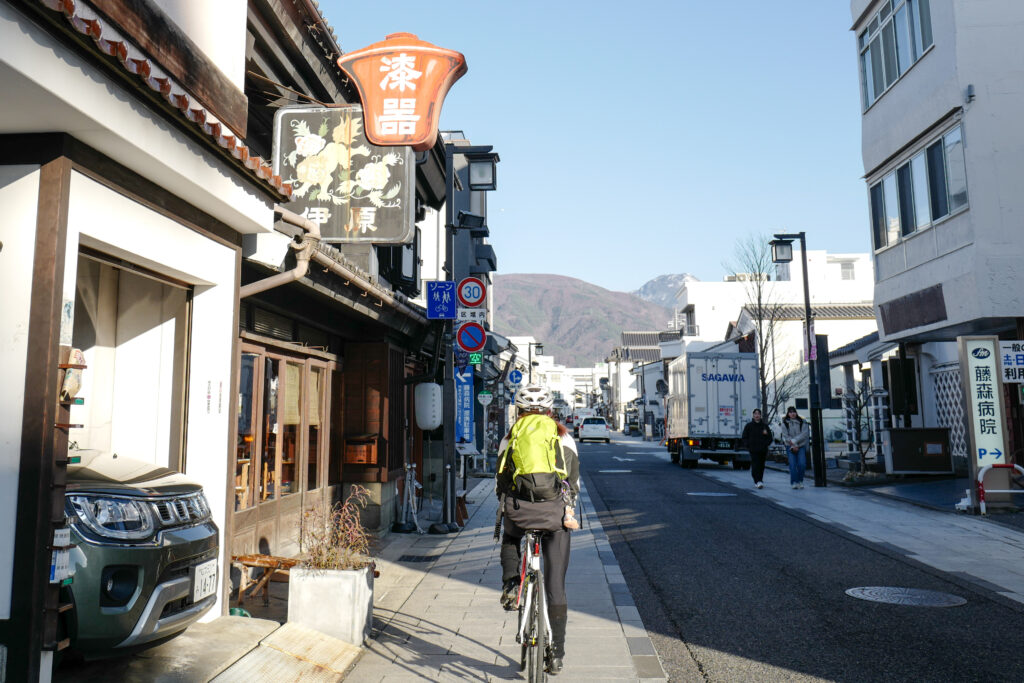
737 465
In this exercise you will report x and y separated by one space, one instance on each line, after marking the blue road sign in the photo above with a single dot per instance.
464 405
441 300
515 377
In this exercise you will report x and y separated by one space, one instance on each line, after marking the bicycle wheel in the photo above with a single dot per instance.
538 646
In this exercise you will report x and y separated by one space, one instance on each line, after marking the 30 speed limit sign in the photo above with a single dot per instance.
471 291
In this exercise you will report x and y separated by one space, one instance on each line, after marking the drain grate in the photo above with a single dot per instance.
913 597
418 558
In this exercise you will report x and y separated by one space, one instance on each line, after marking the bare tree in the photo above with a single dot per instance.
752 264
858 402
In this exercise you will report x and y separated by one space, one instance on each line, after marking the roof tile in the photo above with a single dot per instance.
110 43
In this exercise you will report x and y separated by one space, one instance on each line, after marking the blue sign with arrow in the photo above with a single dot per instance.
464 405
515 377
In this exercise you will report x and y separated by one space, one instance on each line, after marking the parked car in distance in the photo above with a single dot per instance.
145 557
594 428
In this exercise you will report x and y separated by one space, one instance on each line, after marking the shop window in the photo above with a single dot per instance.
316 408
131 324
269 441
283 429
292 418
245 463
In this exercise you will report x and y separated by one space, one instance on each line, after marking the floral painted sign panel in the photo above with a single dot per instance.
355 191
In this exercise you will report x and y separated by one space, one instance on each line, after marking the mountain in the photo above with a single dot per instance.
578 323
662 289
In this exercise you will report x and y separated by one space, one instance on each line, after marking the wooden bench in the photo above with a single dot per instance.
274 569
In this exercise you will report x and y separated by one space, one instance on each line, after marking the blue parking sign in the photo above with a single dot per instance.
441 302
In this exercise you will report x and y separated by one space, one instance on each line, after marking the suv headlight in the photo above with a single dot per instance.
118 518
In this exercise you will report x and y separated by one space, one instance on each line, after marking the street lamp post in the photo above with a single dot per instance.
482 161
529 357
782 252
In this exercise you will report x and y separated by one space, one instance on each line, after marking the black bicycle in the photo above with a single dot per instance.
534 626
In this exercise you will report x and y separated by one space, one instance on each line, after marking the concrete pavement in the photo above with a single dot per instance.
437 615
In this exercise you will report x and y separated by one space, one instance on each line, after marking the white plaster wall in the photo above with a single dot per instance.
922 96
218 28
990 56
19 195
58 91
975 254
432 249
112 223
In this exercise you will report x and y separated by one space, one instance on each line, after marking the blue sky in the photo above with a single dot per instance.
647 137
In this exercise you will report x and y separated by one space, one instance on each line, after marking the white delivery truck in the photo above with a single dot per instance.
711 396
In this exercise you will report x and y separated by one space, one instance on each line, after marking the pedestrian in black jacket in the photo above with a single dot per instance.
757 437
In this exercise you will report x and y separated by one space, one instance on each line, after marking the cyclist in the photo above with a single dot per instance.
538 479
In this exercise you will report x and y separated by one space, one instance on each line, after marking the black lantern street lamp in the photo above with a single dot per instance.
530 346
782 252
482 161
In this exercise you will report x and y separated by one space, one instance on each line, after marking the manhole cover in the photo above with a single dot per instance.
711 494
914 597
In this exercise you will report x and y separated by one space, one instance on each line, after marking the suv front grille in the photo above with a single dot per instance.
181 511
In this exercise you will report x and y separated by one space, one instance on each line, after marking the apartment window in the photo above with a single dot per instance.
928 187
782 272
846 270
895 37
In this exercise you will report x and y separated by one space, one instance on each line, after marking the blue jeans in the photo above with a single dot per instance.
797 465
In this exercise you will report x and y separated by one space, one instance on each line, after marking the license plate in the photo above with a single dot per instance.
204 580
724 444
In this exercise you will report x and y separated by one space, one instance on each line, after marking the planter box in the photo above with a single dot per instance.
336 602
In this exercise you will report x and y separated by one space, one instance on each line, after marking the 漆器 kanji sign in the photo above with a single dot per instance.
402 82
353 190
983 400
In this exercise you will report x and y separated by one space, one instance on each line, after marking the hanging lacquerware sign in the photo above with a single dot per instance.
402 82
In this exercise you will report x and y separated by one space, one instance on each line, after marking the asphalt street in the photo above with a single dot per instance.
733 587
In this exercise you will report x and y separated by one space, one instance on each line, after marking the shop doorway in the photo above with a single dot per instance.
283 462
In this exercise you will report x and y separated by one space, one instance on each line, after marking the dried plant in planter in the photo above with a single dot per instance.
333 537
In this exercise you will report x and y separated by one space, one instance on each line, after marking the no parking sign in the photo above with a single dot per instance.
471 337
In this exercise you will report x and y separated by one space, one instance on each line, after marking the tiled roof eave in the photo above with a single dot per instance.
109 42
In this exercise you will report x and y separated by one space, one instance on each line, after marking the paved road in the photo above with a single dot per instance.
736 588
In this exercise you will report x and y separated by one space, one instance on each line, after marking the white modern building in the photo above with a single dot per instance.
705 310
943 154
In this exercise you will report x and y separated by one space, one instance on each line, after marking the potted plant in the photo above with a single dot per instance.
331 589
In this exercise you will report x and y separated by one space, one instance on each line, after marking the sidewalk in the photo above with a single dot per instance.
437 617
972 549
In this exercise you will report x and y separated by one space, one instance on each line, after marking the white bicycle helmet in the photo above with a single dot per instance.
534 396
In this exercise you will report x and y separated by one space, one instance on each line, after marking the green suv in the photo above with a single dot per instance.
145 562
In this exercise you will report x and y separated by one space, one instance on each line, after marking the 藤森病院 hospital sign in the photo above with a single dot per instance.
983 399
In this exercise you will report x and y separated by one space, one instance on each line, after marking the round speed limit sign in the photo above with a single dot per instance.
471 292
